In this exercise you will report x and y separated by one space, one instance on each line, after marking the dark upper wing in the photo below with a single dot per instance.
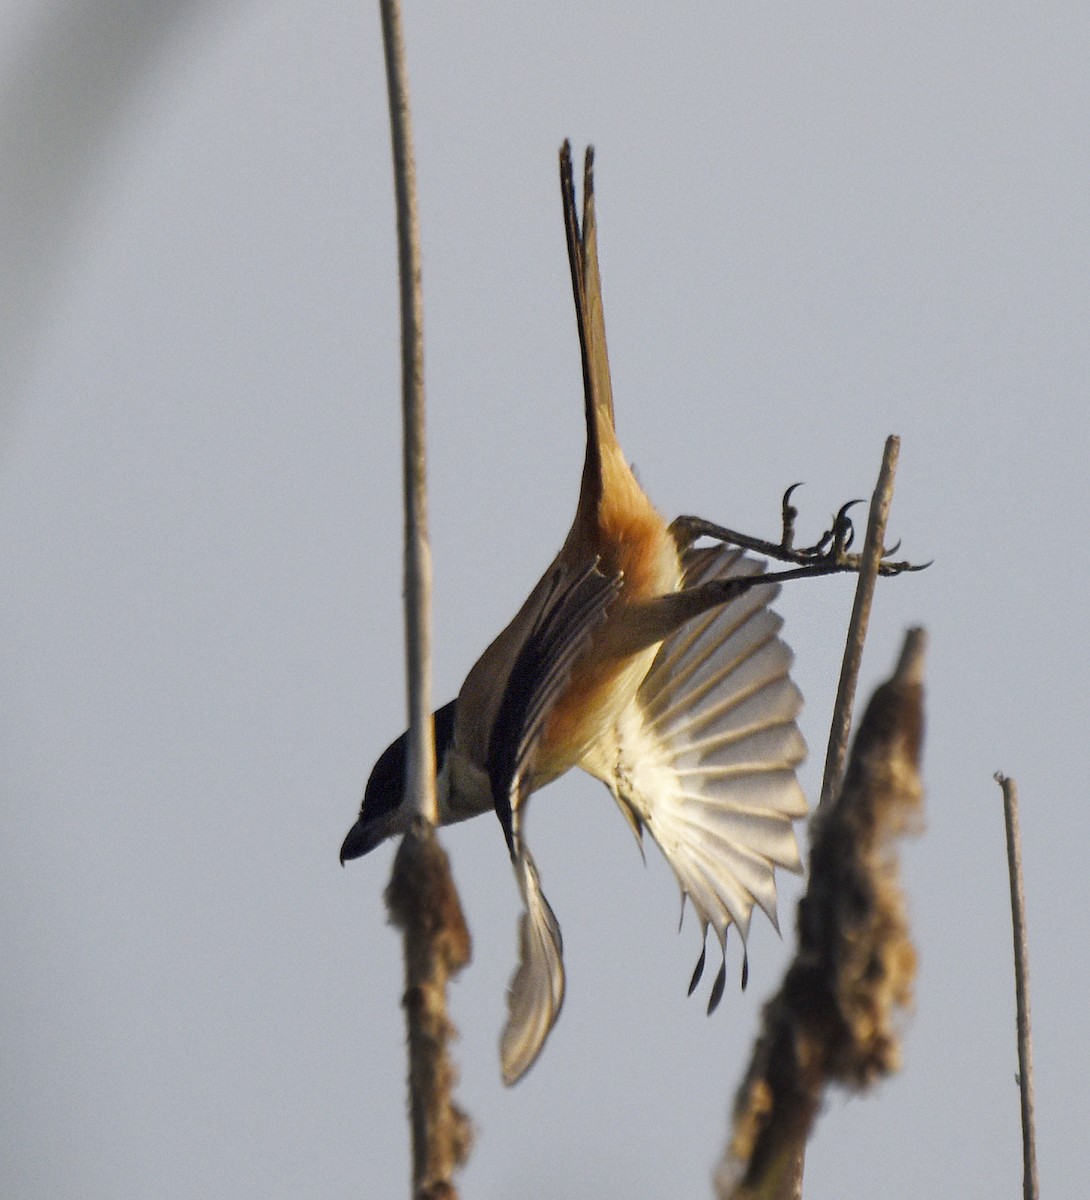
573 608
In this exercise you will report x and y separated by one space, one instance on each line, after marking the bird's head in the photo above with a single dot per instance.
384 811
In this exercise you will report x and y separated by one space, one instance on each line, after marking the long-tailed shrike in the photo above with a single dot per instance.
653 664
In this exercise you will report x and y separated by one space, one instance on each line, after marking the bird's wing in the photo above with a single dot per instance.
708 751
574 605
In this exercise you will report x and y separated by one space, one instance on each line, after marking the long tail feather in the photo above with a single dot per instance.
536 993
582 240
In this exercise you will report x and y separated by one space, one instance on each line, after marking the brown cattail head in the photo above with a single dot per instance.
423 903
834 1019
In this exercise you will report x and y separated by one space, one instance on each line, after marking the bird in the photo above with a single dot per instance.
650 661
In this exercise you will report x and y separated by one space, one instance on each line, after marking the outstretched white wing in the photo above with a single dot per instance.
707 753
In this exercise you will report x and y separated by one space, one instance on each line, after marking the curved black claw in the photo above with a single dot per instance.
843 529
834 543
790 512
745 968
901 568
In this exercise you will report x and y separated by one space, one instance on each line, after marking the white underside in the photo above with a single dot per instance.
707 752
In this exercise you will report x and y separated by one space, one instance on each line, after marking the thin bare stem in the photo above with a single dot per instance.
870 559
421 756
421 896
1021 985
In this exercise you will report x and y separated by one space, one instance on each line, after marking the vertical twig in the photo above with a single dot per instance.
1021 984
873 549
421 896
421 764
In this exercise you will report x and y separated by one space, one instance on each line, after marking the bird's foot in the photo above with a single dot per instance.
830 554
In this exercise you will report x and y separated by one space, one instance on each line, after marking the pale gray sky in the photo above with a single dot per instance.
819 225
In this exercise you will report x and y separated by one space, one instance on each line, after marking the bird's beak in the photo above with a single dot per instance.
362 838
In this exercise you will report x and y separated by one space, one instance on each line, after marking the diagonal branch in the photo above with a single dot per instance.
871 558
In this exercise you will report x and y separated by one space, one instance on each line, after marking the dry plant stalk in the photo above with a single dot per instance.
873 552
424 905
1030 1185
421 756
421 896
834 1019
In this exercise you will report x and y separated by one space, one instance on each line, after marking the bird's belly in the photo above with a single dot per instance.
580 730
635 542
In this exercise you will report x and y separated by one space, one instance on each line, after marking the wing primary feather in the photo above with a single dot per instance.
698 971
673 699
717 988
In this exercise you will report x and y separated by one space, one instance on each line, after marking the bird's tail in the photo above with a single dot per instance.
582 239
536 992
